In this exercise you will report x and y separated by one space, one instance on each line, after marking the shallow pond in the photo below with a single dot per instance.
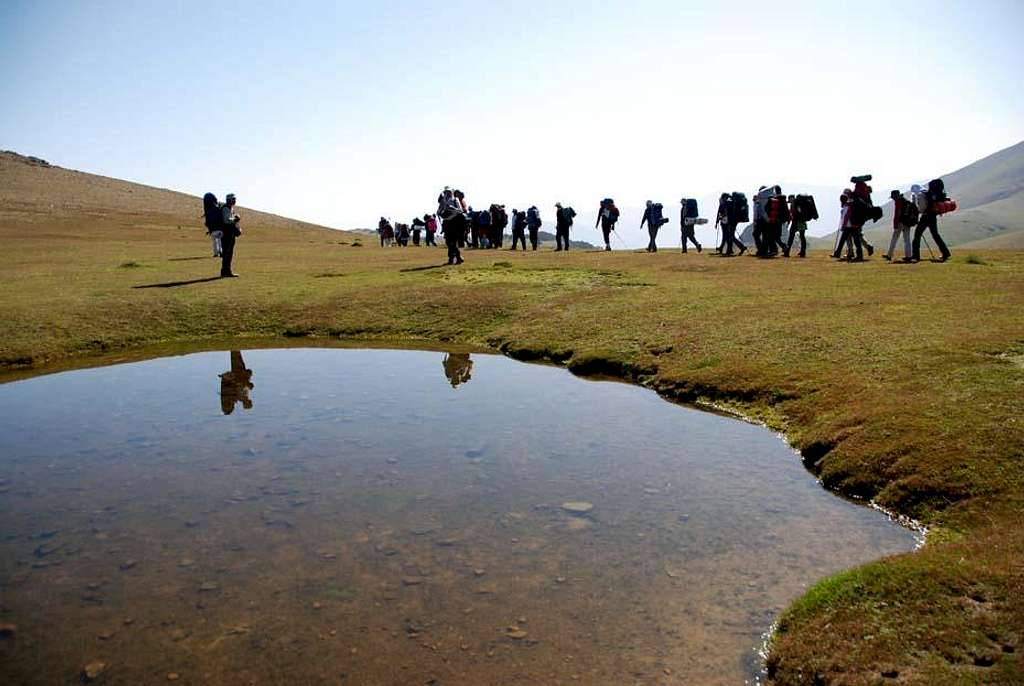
310 516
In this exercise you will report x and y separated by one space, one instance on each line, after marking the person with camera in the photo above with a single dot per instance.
231 232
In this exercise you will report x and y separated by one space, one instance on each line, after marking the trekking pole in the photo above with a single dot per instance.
835 247
927 245
620 239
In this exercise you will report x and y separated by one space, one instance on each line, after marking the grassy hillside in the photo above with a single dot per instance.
900 385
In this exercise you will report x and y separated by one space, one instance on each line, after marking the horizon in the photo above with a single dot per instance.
366 112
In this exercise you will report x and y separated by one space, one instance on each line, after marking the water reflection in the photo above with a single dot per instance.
330 539
235 385
458 368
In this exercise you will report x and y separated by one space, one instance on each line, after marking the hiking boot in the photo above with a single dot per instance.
699 249
945 258
743 250
785 252
887 258
230 275
607 248
803 254
871 249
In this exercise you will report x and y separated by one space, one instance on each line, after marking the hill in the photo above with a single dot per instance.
34 192
991 196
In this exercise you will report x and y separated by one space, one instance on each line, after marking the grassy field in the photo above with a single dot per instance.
899 384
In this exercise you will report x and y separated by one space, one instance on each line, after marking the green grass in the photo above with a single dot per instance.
901 384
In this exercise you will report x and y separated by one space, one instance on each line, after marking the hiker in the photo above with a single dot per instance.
212 219
499 220
654 219
904 219
453 225
518 229
732 209
417 227
687 222
402 235
776 213
431 225
930 203
859 210
480 229
563 222
801 210
607 217
231 232
760 220
458 368
235 385
533 223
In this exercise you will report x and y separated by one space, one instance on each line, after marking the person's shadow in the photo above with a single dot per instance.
458 368
235 385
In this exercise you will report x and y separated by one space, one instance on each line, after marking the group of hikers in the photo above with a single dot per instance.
778 220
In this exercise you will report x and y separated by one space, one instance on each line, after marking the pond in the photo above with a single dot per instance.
308 516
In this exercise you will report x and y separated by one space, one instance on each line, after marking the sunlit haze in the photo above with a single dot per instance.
339 113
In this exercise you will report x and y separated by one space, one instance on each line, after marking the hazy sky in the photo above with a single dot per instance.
339 112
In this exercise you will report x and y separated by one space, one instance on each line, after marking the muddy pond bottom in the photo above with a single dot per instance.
311 516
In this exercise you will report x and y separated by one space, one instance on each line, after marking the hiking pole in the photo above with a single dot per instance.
620 239
928 245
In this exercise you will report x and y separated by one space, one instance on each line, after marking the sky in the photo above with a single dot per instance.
340 112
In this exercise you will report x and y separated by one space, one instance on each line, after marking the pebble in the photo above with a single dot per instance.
173 676
516 633
578 507
93 670
208 586
329 556
479 572
447 543
560 579
180 635
412 580
128 621
105 635
186 562
192 523
318 606
8 630
127 564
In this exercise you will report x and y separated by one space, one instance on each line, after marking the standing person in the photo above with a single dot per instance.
212 218
533 223
518 228
431 225
904 218
654 219
417 228
380 230
607 217
688 222
927 203
453 225
230 221
563 222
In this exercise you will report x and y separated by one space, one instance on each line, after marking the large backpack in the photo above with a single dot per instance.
740 209
804 208
533 218
691 208
657 217
909 212
213 218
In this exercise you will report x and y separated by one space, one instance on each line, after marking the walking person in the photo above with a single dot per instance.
453 225
928 202
654 219
417 228
430 222
904 219
231 231
688 222
802 209
728 218
212 218
380 231
563 222
607 217
518 229
776 213
533 223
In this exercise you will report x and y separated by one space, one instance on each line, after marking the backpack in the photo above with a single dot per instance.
740 209
937 189
691 208
657 218
613 213
533 218
484 219
804 208
909 212
213 217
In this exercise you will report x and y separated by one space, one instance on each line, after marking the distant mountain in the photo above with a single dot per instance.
991 197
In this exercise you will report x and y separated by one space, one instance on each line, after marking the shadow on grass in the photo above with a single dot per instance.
421 269
186 259
175 284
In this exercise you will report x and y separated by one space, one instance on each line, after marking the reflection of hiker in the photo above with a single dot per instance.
458 368
563 222
214 221
235 385
231 232
654 219
607 217
533 223
931 204
688 215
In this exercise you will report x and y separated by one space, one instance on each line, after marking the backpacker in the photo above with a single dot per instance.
740 209
909 212
691 208
776 210
804 208
937 190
